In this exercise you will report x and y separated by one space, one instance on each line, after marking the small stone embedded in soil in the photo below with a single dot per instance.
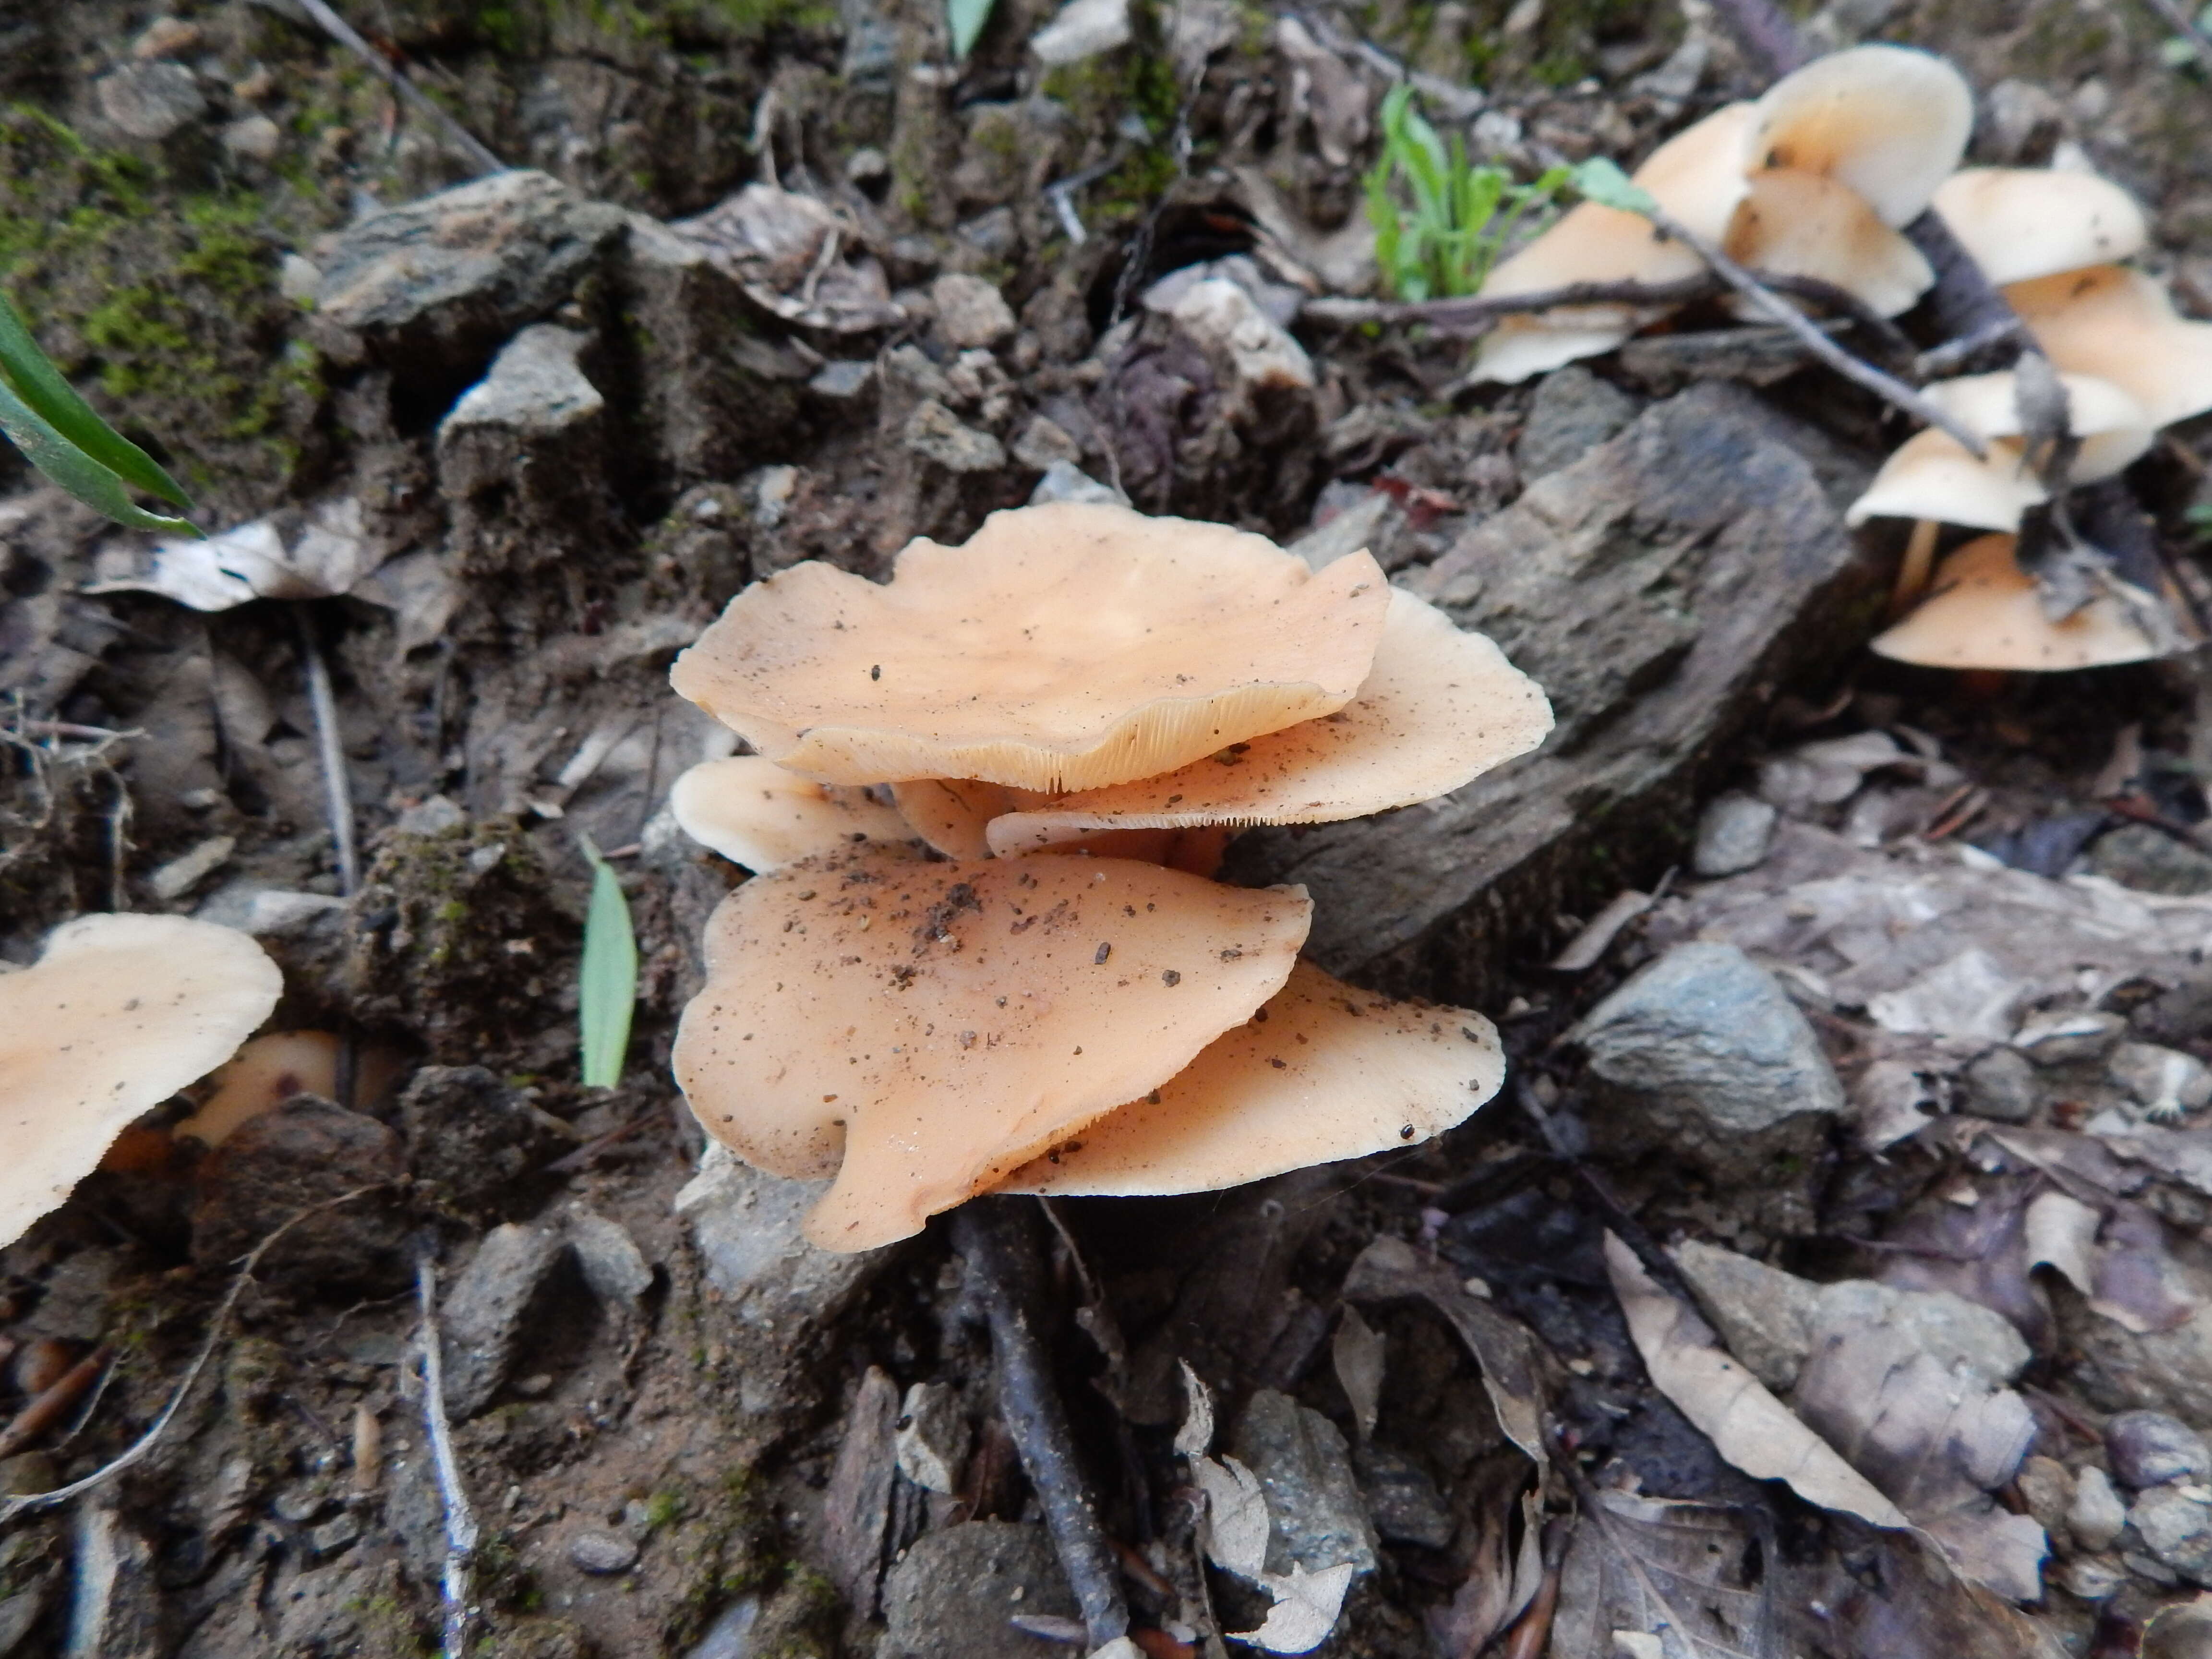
2097 1513
603 1553
149 101
2002 1086
1401 1499
936 434
971 313
483 1315
1734 833
338 1533
2151 862
1317 1517
2177 1529
2047 1490
2150 1449
951 1595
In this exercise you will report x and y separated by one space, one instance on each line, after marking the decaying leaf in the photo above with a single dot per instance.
1306 1606
1358 1353
326 554
1638 1566
1236 1511
1195 1436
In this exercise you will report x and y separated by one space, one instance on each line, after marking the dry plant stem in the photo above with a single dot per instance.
1477 312
330 749
14 1504
458 1587
466 141
1002 1260
52 1402
2179 18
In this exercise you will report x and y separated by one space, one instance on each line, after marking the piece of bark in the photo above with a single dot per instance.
857 1505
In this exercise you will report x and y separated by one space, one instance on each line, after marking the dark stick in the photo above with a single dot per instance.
1001 1253
1475 309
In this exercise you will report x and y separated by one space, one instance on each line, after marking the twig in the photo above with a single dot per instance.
14 1504
52 1402
1470 309
1938 361
457 1585
70 732
340 31
2184 25
1002 1254
330 747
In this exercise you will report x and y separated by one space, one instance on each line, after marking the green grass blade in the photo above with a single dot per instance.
77 472
607 979
33 378
967 18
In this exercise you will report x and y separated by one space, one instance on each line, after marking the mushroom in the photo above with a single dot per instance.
1807 224
119 1013
953 815
2021 223
1888 121
1064 647
1322 1072
755 813
922 1028
1933 476
2119 324
1441 707
1986 612
261 1077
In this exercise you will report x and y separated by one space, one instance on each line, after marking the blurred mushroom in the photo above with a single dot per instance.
1888 121
1986 612
1931 475
754 812
1806 224
2119 324
1322 1072
2022 223
1441 707
921 1029
261 1077
118 1014
1068 646
951 813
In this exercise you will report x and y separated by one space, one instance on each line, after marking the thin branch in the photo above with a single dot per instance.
340 31
1939 361
1480 309
330 747
15 1503
457 1585
1002 1256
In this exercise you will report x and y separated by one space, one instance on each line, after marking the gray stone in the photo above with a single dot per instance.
731 1635
1707 1039
1572 412
1401 1499
2047 1489
256 138
1734 833
483 1319
2164 1082
149 101
2097 1513
936 434
2002 1086
1063 481
473 1136
1042 441
842 378
536 385
1370 524
522 456
432 288
614 1268
1965 1338
1763 1314
951 1595
971 313
2078 1034
602 1553
2150 1449
2177 1529
336 1535
2151 861
1663 590
1317 1517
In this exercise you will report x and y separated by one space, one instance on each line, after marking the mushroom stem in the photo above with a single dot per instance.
1001 1253
1919 560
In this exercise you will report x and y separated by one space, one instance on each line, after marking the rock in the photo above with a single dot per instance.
256 138
936 434
1734 832
731 1635
1081 29
932 1437
1370 523
2097 1513
430 289
2001 1085
1317 1517
173 880
483 1319
1661 589
2092 1578
1043 441
306 1152
1063 481
1573 411
474 1137
615 1269
2047 1489
971 313
149 101
1706 1053
602 1553
2177 1529
843 379
2062 1039
1263 360
2164 1082
2149 1449
951 1595
1401 1499
2150 860
167 36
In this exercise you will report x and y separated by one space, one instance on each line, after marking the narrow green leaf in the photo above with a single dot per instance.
34 379
967 18
1603 182
76 471
607 979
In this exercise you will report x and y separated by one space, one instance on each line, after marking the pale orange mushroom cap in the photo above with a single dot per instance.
2020 224
1984 612
953 814
2119 324
1322 1072
1889 122
1068 646
1806 224
755 813
119 1013
1442 706
941 1023
262 1076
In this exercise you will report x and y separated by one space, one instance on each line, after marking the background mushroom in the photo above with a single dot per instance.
1889 122
119 1013
1068 646
2118 324
2022 223
938 1025
1322 1073
763 816
1986 612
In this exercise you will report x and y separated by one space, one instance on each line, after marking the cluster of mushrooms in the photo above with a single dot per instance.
1815 180
981 950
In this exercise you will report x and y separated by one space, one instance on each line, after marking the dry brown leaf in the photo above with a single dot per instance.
1306 1606
1358 1353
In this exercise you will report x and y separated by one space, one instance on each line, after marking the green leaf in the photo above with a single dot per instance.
607 980
76 471
967 18
1601 181
33 378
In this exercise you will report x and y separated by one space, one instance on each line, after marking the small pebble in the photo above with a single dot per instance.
1733 835
2097 1514
602 1552
2149 1449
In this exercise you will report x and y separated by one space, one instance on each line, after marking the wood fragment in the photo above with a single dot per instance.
52 1402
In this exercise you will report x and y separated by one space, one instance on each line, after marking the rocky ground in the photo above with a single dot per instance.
1863 1009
